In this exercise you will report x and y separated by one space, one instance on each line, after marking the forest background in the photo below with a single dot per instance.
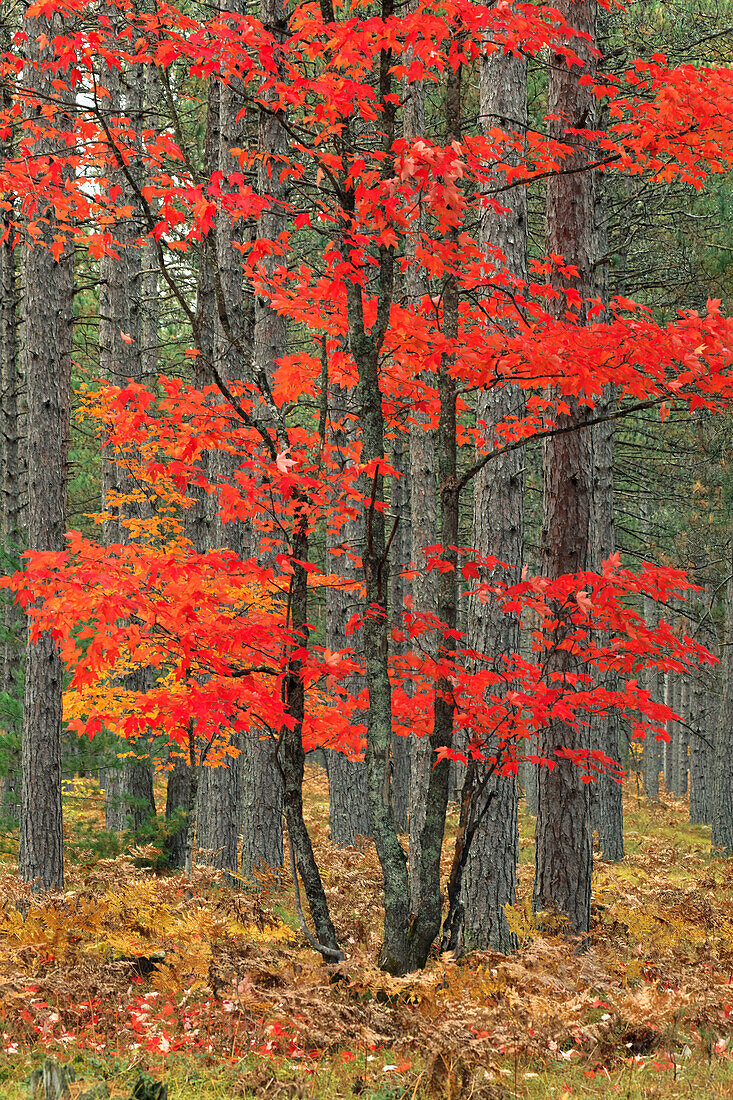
385 458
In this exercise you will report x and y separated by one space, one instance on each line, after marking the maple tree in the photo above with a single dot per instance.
353 206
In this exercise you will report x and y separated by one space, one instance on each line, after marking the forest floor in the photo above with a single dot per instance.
214 990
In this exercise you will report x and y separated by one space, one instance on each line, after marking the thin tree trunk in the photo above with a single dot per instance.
700 755
677 738
722 818
654 680
667 747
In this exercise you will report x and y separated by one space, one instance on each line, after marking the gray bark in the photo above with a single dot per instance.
667 746
653 678
347 780
423 518
400 559
490 876
47 335
606 793
13 487
262 806
348 804
701 742
129 788
217 814
677 743
177 801
220 307
722 817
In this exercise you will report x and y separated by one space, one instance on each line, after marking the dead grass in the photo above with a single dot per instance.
214 989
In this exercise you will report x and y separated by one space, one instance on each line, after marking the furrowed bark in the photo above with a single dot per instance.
47 336
425 891
563 852
489 879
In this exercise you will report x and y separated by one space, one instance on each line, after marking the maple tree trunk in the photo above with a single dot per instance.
291 755
489 880
365 347
563 849
47 335
683 742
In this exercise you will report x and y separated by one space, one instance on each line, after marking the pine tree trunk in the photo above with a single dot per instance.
13 492
606 792
262 806
677 738
217 832
653 678
177 801
425 892
564 855
400 560
225 326
423 518
129 793
667 746
47 336
490 875
700 755
722 816
347 780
